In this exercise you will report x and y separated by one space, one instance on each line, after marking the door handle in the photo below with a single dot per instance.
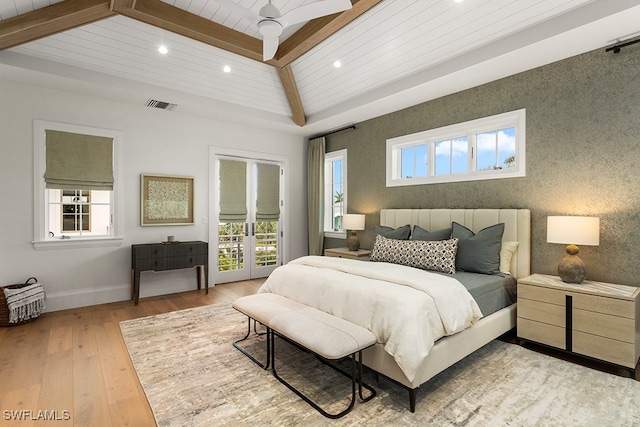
253 229
246 229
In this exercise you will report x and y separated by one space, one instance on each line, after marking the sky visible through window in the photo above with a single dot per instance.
496 150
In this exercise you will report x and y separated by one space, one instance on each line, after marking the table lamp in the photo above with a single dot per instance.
572 231
353 222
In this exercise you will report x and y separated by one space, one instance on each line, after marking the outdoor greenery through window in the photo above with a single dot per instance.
335 176
266 243
487 148
231 244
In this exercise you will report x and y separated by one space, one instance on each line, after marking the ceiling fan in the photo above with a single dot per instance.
270 22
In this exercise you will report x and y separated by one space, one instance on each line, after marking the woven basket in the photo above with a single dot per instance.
4 309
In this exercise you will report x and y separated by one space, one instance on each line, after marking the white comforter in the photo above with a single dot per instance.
408 309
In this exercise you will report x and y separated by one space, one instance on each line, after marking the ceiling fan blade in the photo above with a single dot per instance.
235 8
269 47
314 10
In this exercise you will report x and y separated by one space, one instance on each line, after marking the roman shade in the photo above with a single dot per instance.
233 193
78 162
268 194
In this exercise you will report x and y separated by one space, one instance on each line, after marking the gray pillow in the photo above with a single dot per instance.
420 233
479 252
400 233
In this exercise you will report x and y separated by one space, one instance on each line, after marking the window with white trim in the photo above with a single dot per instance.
75 186
335 192
487 148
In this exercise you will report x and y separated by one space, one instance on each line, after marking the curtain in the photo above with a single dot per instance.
268 192
78 162
315 195
233 191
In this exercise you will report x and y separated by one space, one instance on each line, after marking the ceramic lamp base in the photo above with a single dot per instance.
571 268
352 242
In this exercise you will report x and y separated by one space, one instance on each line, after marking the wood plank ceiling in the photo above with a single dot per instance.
380 44
65 15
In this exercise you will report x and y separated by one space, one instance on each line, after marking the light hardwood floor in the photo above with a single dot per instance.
73 365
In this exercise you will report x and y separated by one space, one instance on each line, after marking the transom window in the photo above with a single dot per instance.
487 148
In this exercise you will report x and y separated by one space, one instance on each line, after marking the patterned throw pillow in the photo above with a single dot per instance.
434 255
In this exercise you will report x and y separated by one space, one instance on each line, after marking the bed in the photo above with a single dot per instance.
347 293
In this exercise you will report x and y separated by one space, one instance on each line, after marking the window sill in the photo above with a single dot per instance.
43 245
342 234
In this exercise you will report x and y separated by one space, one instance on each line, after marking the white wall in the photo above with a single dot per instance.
155 141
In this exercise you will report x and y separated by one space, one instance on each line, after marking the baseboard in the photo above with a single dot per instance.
152 284
64 300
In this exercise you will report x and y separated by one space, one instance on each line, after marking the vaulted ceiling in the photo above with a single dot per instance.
393 53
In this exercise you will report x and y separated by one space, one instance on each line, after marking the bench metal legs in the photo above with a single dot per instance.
249 355
356 376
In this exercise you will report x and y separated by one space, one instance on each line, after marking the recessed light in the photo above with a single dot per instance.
337 64
226 69
163 49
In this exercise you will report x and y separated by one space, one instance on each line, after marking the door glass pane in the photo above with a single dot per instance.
266 243
230 246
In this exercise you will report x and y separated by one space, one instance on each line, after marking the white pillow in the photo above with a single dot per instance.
506 253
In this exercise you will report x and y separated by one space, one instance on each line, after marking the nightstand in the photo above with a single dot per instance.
346 253
594 319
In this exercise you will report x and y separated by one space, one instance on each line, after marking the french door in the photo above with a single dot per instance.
248 217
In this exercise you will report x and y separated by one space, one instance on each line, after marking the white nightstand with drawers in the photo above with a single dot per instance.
594 319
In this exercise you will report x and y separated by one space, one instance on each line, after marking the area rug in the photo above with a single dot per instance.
193 376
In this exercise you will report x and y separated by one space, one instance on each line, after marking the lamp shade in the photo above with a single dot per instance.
353 222
576 230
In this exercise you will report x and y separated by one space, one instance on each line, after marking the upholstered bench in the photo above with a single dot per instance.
321 333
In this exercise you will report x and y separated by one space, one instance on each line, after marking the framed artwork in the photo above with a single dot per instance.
166 200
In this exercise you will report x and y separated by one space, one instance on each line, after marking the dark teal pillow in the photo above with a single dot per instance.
400 233
420 233
479 252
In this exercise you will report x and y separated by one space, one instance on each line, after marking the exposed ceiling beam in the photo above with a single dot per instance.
73 13
51 20
318 30
176 20
291 90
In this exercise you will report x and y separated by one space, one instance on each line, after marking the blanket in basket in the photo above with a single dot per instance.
25 303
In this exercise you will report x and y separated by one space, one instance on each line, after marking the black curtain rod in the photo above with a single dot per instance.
332 132
616 48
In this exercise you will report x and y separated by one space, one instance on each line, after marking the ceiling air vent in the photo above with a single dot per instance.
161 105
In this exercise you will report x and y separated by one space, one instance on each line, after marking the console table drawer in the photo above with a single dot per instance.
193 249
155 264
192 260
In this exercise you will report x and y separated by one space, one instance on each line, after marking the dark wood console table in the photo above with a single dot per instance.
169 256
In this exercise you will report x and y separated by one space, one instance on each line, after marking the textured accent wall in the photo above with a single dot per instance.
583 157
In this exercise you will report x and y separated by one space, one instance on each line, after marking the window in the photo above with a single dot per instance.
335 192
487 148
75 186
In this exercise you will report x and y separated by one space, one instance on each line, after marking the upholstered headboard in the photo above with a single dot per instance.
517 226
